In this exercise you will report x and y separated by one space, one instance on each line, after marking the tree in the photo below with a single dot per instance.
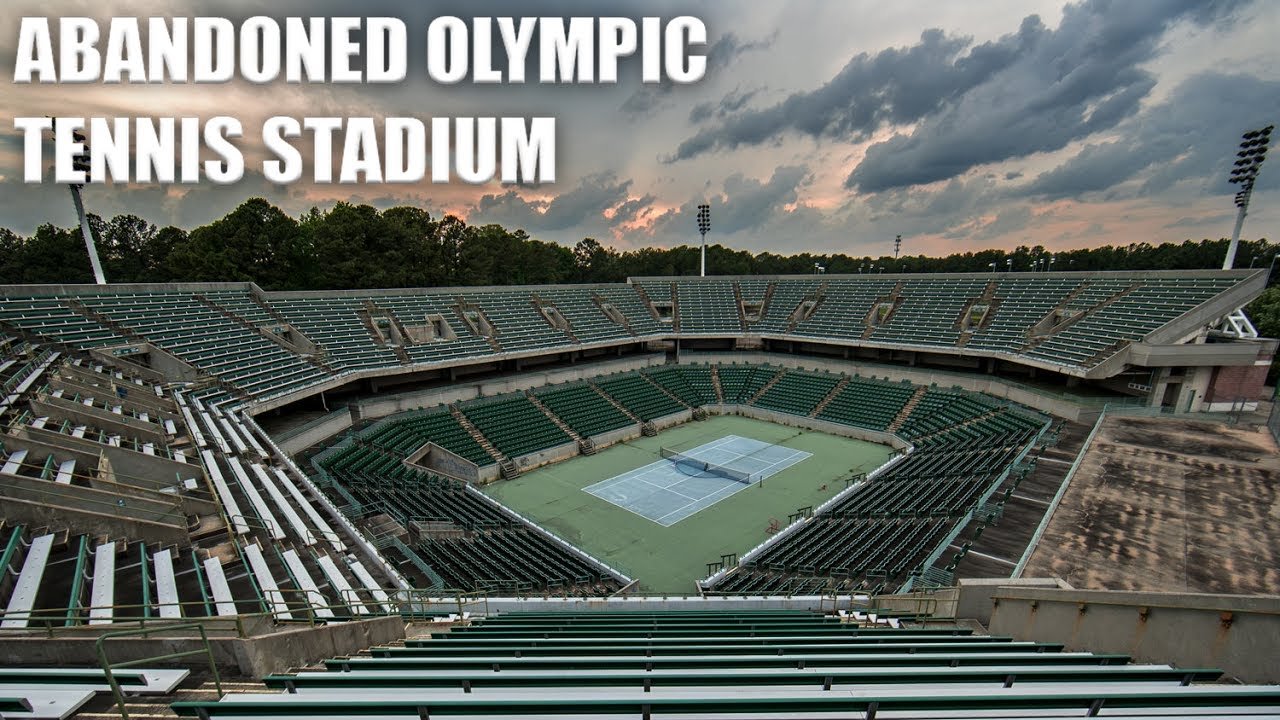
123 248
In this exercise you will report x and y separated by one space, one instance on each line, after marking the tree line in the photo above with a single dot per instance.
358 246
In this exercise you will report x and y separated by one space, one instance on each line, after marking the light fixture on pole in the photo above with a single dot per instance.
704 225
80 163
1253 150
897 245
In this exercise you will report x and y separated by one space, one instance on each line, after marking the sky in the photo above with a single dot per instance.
819 126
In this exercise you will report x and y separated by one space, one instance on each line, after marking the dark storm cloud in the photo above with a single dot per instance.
584 203
1030 91
631 209
1063 85
730 103
894 86
1182 138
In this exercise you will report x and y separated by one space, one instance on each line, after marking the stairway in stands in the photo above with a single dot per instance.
893 299
844 380
1087 313
366 317
971 421
737 301
715 384
585 445
772 381
646 428
663 390
503 461
312 359
675 307
768 298
906 409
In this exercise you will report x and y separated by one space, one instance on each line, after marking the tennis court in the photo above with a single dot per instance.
670 490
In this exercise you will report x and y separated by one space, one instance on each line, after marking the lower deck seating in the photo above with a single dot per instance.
877 536
514 425
638 396
742 664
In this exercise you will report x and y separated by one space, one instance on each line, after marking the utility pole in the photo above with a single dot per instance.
704 225
80 163
1253 150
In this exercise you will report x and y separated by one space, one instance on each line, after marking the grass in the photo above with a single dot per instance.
670 560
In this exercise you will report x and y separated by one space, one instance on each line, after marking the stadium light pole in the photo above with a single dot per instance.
1253 150
80 163
704 225
897 245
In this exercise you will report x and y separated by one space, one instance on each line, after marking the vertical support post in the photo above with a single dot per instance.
89 245
1235 235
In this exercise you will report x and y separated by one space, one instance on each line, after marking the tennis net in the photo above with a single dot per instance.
693 466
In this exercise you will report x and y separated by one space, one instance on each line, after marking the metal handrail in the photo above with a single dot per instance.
108 667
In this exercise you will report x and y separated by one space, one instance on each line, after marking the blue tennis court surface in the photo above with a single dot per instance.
667 492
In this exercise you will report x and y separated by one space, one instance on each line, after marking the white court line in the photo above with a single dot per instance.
666 489
660 471
704 497
779 462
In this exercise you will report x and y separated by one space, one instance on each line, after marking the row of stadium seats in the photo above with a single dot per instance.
1064 320
740 664
514 425
126 501
877 536
798 392
582 409
638 396
446 533
691 384
414 430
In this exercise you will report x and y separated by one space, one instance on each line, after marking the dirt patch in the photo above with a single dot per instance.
1169 505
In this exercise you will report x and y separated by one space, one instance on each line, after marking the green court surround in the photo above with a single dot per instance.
671 560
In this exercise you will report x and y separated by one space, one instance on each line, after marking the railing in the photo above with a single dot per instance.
1057 498
972 514
108 667
301 604
427 604
68 497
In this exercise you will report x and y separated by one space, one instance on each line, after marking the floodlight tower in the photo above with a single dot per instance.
897 245
704 226
1253 150
80 163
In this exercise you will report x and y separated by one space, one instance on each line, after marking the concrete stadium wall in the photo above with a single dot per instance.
676 418
546 457
463 390
1236 633
613 437
315 432
988 384
441 460
808 423
283 648
974 602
